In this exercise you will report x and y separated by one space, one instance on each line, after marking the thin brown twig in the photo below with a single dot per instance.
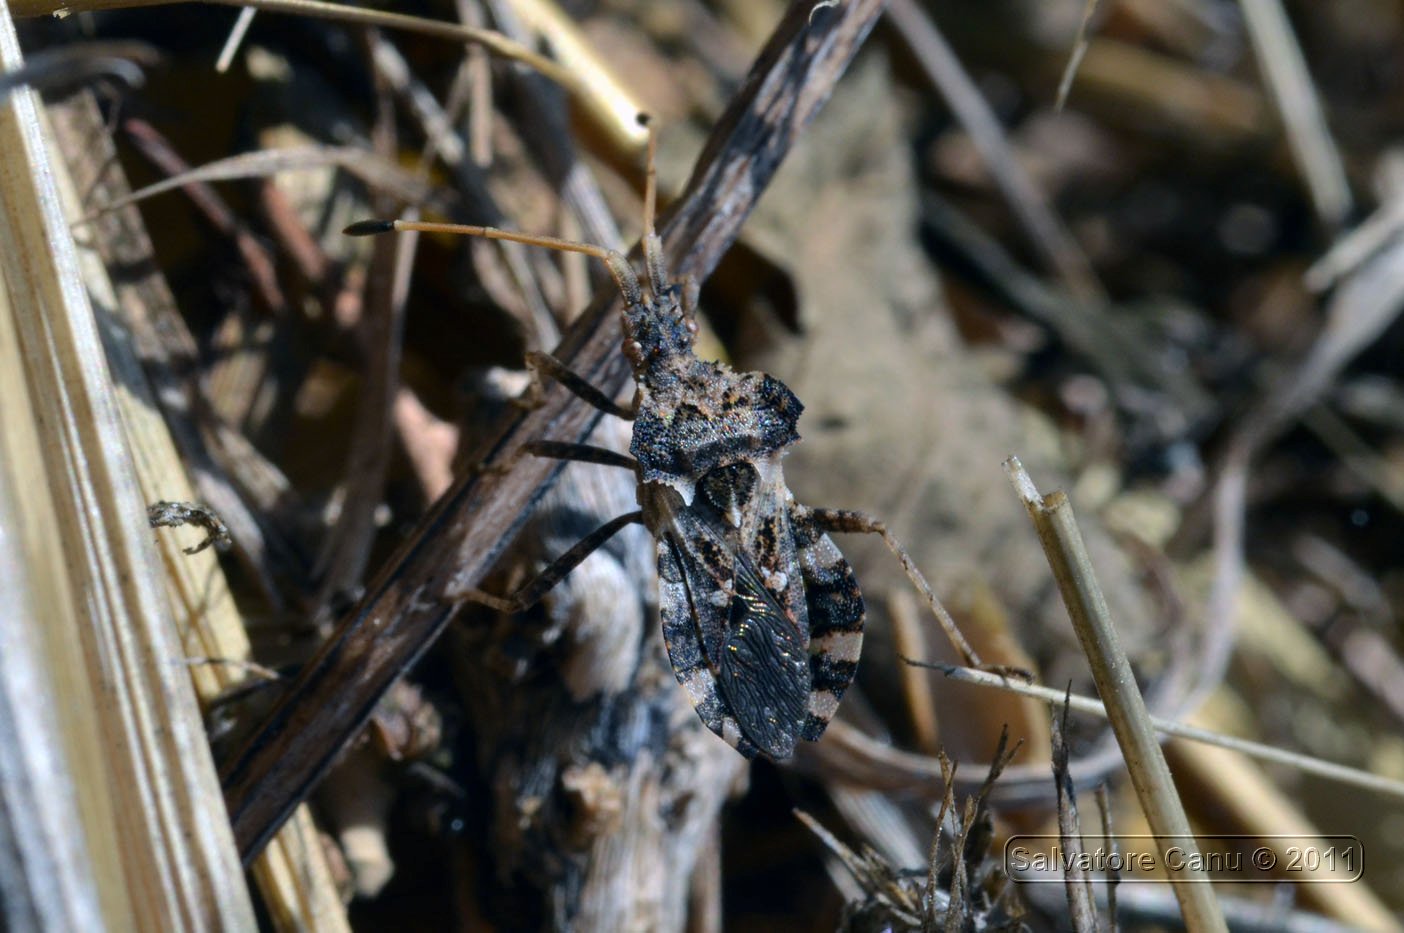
475 78
1077 881
370 168
1113 877
347 550
154 145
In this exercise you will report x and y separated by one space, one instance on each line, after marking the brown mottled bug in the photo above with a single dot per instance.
762 616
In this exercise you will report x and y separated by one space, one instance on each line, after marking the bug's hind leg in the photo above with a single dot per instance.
530 593
543 365
845 521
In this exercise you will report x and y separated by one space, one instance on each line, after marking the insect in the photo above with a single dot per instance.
762 616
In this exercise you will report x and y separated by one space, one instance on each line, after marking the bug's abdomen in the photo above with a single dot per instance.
836 613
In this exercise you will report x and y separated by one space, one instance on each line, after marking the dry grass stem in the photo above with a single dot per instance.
1307 764
1126 709
1079 49
293 875
1284 68
154 826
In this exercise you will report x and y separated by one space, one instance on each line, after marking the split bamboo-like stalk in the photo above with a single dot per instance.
292 875
111 809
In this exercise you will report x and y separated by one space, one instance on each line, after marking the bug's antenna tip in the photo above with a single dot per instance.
369 227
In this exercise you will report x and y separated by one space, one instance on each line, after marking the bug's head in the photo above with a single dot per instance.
658 332
660 327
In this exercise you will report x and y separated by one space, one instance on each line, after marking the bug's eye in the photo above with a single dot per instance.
729 488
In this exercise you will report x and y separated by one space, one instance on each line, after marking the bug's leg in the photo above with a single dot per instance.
542 365
530 593
849 522
584 453
561 450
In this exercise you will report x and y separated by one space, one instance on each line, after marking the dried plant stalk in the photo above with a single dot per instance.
292 874
1126 708
158 841
50 828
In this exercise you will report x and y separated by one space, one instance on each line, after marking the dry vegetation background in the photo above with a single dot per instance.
1176 298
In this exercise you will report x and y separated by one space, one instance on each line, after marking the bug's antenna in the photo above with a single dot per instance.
619 267
652 245
651 176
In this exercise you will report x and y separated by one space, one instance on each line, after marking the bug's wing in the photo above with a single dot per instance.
764 672
737 652
836 615
682 637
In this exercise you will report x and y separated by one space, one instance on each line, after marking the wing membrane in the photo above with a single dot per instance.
731 640
764 667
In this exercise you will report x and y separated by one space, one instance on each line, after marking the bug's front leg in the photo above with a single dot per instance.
530 593
845 521
542 365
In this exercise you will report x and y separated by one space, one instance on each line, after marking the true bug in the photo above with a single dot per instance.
761 614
